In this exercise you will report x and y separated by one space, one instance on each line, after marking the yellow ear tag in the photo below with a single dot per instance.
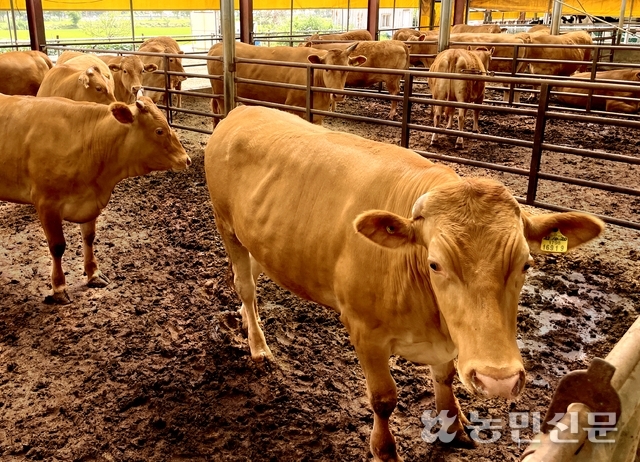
555 242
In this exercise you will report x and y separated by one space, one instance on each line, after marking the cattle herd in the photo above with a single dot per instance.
417 261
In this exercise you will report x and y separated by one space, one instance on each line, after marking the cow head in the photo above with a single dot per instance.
478 244
334 78
175 65
130 77
484 54
153 143
99 87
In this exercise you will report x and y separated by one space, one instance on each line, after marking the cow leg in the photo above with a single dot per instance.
462 115
256 270
437 111
383 397
52 225
245 285
443 375
95 278
394 89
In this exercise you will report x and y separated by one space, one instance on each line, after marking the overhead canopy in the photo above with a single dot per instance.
592 7
191 5
569 7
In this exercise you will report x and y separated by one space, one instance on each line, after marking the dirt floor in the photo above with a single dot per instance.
154 367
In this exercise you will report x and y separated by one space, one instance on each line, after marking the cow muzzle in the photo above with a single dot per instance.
508 387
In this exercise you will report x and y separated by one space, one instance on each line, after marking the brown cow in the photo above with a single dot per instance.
352 35
540 28
157 79
283 74
455 61
68 163
608 104
388 54
21 72
405 34
128 80
549 55
80 77
418 261
481 29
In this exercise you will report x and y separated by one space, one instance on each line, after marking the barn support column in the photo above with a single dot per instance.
445 25
460 12
35 18
373 13
623 7
229 54
556 14
246 21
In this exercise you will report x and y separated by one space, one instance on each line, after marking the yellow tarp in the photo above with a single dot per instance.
569 7
175 5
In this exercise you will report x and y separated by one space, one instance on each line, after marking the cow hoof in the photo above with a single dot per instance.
98 280
58 298
262 357
463 440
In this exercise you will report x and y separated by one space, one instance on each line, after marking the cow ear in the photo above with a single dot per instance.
577 227
385 228
492 51
115 67
180 52
140 104
121 112
84 80
357 60
150 68
315 59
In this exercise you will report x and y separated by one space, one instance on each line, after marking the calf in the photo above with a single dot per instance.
418 261
389 54
334 79
22 72
71 177
599 100
80 77
157 79
455 61
128 80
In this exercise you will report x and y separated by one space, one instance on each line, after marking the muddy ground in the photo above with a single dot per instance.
154 367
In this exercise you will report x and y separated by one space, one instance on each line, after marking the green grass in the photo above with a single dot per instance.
66 34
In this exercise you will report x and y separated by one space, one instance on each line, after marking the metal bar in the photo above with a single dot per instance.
246 21
555 17
406 110
373 13
445 25
309 93
538 138
35 19
229 54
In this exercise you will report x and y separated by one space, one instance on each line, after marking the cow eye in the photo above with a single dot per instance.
98 89
125 71
159 131
434 266
527 266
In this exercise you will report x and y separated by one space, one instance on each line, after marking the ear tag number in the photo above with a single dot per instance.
555 242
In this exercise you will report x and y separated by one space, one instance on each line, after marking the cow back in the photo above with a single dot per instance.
624 75
22 72
83 84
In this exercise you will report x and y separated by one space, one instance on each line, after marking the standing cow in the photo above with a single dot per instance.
80 77
22 72
128 79
418 261
334 79
68 163
455 61
388 54
157 79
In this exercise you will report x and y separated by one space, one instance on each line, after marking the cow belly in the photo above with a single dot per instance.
438 351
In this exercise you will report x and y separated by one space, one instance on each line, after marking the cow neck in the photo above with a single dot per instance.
112 156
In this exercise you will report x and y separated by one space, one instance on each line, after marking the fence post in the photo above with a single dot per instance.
406 109
538 138
308 104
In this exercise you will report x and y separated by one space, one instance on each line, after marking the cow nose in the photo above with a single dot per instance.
505 387
136 89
